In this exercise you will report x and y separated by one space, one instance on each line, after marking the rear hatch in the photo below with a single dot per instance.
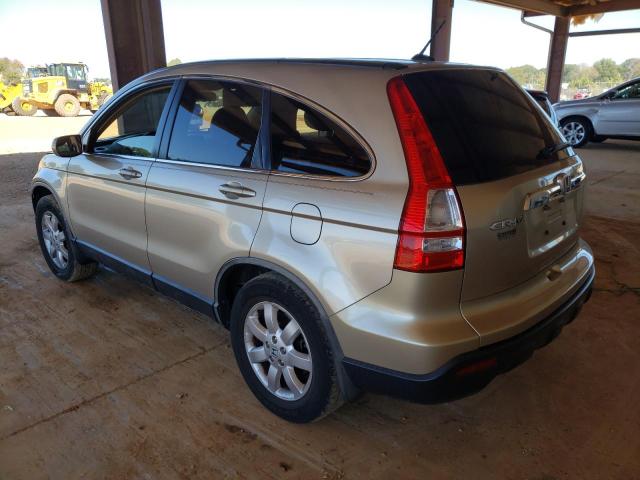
521 200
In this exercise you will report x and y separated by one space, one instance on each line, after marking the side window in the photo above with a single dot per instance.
630 92
131 130
217 123
305 141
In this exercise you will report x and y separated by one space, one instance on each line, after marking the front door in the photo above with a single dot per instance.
621 114
106 185
204 195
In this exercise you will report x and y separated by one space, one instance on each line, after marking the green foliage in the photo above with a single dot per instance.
630 68
528 76
603 71
103 80
175 61
608 71
10 70
579 76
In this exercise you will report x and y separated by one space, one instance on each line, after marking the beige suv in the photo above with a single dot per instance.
390 226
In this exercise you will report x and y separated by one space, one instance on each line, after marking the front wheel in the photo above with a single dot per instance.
282 350
577 131
56 245
23 107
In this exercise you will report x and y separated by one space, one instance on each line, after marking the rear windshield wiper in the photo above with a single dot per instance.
546 152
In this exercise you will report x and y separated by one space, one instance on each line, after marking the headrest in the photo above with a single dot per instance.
223 114
313 121
254 116
230 99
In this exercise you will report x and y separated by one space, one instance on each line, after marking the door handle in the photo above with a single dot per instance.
235 190
129 173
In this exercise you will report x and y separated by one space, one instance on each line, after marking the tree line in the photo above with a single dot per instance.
604 70
10 70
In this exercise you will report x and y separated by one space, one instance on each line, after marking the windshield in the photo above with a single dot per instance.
34 72
70 71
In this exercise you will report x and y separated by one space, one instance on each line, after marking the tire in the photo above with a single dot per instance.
576 130
50 112
49 218
316 391
67 105
23 108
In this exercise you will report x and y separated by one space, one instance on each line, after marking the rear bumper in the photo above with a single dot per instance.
469 372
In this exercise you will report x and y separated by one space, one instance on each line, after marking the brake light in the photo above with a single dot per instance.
431 232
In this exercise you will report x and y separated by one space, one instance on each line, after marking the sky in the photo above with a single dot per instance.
211 29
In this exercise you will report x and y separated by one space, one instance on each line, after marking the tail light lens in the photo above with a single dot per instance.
432 231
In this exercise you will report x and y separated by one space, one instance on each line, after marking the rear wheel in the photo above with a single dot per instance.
56 245
67 105
282 349
23 107
577 131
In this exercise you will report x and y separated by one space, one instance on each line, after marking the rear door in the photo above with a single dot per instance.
522 205
204 195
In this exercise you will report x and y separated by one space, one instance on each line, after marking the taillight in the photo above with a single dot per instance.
431 232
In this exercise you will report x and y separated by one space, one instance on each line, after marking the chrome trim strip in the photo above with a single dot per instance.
211 165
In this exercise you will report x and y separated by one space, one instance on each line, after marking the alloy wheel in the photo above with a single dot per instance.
278 351
55 240
574 132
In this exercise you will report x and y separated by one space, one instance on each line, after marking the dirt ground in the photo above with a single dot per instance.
34 134
106 379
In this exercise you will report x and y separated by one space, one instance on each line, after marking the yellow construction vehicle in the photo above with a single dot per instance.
63 91
9 92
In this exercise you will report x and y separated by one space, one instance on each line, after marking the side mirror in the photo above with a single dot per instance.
67 146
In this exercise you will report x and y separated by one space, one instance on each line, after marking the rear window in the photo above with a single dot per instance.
305 141
485 126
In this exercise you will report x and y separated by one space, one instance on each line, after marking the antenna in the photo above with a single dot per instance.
421 56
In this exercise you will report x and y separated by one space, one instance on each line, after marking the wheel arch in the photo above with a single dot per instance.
578 116
245 268
63 91
39 190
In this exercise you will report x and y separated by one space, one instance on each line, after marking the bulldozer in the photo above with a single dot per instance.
63 91
9 92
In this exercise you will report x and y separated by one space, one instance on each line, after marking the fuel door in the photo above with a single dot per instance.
306 223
